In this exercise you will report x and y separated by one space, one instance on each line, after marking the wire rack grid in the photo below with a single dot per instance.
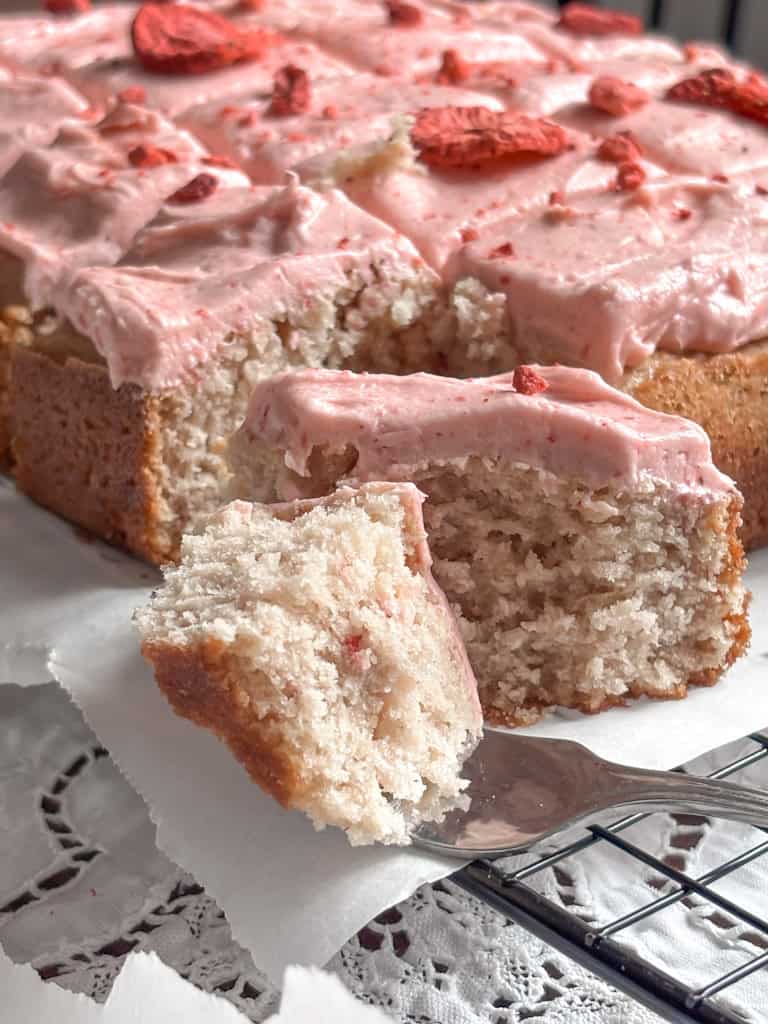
509 887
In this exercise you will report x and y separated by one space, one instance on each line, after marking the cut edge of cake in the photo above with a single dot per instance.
312 639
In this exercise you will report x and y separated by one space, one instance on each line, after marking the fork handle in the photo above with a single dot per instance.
689 793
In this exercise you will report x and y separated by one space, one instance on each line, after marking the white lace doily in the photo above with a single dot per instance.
82 884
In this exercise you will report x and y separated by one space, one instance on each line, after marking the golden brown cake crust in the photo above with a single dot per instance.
85 450
202 684
728 395
532 711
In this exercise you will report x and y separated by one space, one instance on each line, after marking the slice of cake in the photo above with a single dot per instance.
81 200
660 289
590 544
119 413
77 199
311 637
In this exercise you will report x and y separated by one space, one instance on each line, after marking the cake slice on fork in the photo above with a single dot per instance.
311 637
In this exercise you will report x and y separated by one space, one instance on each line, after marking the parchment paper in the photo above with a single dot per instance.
290 894
148 992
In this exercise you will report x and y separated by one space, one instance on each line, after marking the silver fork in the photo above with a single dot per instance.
523 790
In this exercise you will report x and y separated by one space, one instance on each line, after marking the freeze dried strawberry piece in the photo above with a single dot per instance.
404 15
505 249
220 161
353 644
620 148
453 69
181 40
67 6
629 176
466 137
202 186
133 94
291 93
147 155
750 99
585 20
527 381
712 88
615 96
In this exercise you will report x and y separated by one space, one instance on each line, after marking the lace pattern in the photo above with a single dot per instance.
85 884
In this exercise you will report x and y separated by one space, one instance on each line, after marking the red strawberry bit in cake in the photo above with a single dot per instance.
292 93
620 148
147 155
453 70
199 188
403 14
178 39
719 87
501 251
629 176
528 381
133 94
464 137
586 20
219 161
615 96
712 88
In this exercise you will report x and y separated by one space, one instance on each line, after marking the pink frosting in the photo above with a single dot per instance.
579 426
202 271
602 283
417 51
67 40
344 111
31 111
546 94
440 209
80 201
590 50
173 94
681 137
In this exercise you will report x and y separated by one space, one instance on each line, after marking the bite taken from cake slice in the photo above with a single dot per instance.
589 544
312 638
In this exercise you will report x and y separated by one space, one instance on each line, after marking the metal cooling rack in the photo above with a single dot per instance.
508 889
